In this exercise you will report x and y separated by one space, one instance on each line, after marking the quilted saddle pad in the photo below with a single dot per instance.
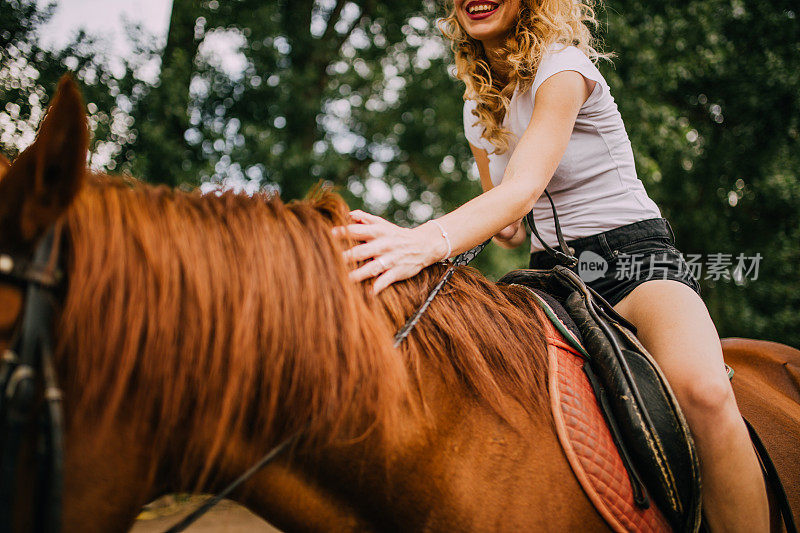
587 440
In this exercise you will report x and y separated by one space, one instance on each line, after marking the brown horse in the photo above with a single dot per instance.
196 332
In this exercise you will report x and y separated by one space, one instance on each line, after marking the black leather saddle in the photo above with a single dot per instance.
643 414
640 408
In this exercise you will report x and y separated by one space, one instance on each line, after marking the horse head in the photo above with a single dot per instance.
35 191
38 187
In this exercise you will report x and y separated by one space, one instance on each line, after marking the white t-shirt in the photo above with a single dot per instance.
595 187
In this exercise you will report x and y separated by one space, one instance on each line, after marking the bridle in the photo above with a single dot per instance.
29 392
30 395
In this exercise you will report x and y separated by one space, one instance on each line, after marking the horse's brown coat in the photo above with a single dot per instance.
767 387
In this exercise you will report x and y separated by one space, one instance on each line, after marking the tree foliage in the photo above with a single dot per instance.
360 94
710 92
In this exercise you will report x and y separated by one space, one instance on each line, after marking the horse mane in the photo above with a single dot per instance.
239 309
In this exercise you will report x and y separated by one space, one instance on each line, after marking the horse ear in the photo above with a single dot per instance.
5 164
44 179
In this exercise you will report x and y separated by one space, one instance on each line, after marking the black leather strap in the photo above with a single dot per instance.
27 375
21 272
214 500
640 496
772 479
564 255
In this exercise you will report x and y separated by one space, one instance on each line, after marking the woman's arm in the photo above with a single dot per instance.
514 234
482 162
399 253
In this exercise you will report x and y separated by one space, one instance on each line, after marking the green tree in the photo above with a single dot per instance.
29 73
710 92
159 152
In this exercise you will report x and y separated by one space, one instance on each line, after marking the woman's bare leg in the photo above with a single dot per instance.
675 327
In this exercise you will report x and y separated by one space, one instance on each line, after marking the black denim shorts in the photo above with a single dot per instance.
617 261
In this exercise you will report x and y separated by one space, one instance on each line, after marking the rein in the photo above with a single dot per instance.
459 260
29 390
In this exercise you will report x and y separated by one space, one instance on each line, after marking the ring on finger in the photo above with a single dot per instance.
383 264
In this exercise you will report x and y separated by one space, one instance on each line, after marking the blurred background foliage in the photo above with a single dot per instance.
360 94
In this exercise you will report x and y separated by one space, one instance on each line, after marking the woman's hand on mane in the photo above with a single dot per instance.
391 253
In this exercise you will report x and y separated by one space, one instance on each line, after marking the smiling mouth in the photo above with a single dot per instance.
479 9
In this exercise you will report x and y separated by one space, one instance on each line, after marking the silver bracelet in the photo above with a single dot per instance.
446 239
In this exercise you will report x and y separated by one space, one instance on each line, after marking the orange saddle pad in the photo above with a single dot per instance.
587 441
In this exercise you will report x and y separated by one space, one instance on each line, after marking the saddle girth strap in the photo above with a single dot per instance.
772 479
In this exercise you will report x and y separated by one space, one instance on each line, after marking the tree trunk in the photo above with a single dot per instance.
163 118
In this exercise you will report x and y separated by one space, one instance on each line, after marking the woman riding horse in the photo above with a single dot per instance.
538 114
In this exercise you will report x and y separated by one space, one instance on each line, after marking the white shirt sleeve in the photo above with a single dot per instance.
472 130
561 58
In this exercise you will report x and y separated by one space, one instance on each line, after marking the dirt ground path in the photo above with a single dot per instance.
225 517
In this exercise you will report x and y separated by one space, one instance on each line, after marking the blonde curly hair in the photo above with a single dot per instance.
540 24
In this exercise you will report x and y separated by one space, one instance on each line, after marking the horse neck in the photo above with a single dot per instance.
459 467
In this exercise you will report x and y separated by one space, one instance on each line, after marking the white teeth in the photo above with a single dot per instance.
481 8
